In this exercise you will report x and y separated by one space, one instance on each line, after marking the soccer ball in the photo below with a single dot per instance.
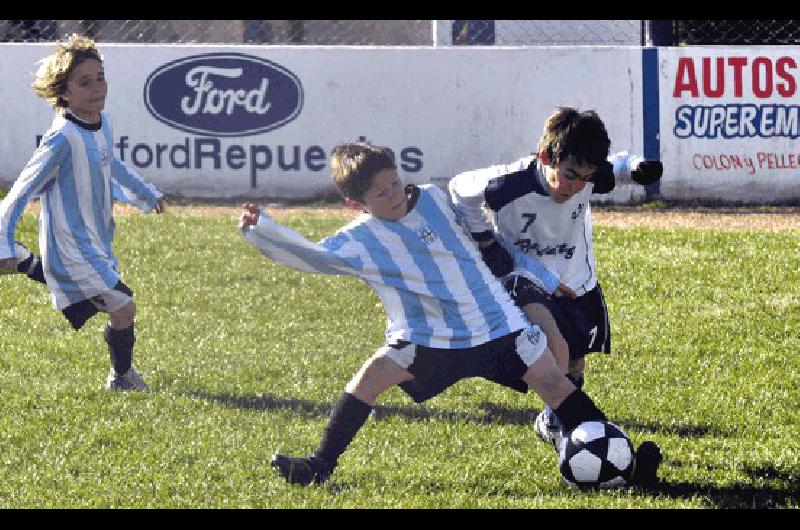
596 454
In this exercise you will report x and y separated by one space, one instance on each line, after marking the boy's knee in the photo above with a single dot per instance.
123 317
546 379
539 315
544 371
377 374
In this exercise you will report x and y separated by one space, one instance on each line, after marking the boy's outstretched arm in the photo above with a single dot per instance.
624 168
129 187
337 254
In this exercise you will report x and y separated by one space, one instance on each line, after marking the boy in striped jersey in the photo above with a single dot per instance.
75 175
449 318
539 211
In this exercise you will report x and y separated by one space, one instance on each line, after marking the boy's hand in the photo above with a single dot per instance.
249 216
496 258
647 172
161 206
563 290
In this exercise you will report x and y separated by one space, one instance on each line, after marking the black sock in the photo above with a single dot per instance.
36 273
120 347
576 409
23 265
347 417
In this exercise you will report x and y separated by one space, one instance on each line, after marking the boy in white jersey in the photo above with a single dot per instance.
540 212
448 316
76 175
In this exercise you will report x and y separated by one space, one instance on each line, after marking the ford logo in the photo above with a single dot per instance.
223 94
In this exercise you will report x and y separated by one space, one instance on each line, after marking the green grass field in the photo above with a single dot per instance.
245 358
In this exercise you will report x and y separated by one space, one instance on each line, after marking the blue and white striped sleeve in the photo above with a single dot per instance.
129 187
40 170
126 184
533 269
333 255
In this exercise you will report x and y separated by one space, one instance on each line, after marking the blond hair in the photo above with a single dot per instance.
51 77
354 166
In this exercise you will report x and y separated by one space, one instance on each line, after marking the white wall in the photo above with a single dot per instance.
752 154
444 110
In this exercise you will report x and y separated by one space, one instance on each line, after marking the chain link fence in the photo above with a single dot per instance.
334 32
414 32
737 32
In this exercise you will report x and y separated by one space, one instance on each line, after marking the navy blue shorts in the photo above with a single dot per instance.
437 369
79 312
583 321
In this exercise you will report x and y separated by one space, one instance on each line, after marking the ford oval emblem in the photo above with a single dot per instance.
223 94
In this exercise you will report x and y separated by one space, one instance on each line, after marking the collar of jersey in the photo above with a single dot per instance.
539 182
88 126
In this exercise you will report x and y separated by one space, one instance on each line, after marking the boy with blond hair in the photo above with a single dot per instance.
449 318
75 175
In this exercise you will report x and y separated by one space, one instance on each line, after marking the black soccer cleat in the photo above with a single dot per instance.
302 471
648 458
647 172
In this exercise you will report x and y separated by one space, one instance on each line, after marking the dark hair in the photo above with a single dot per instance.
580 135
354 166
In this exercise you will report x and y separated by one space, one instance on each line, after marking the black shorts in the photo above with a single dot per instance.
583 322
437 369
79 312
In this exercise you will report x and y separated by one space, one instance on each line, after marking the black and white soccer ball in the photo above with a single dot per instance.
596 454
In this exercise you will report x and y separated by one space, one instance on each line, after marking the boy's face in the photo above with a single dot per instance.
86 90
386 198
566 178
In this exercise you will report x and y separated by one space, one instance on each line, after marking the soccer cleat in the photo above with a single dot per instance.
130 380
647 172
302 471
25 260
548 428
648 458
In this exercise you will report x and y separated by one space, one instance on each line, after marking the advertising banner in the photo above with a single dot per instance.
229 121
729 123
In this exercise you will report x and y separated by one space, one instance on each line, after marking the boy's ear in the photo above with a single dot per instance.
543 158
355 205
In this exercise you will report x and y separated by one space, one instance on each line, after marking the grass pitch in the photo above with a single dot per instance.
245 358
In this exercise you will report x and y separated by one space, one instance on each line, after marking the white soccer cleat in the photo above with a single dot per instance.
548 428
21 253
130 380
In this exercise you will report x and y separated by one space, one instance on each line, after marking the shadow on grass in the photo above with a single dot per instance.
309 409
493 414
780 492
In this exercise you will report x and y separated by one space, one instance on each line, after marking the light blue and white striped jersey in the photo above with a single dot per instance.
75 174
426 269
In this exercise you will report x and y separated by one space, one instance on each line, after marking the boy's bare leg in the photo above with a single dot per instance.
348 416
376 375
541 316
547 379
569 403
